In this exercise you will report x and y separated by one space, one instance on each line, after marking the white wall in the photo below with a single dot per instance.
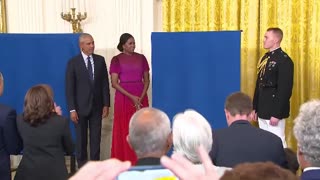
106 21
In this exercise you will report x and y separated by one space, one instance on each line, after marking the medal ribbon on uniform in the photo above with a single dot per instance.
262 66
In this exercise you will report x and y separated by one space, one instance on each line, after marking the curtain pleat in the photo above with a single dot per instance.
299 20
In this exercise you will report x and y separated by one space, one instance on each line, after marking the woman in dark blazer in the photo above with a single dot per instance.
46 138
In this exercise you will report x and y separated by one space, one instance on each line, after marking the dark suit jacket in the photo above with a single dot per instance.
44 149
241 142
148 161
311 175
10 142
82 94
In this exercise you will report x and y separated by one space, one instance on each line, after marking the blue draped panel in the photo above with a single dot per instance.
30 59
195 70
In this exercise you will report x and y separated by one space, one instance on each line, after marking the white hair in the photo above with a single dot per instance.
190 130
83 36
149 130
307 131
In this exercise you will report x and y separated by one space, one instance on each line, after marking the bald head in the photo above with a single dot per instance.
147 117
149 130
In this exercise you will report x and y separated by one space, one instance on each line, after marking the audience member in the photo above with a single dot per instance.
241 142
101 170
178 164
10 142
307 133
258 171
292 159
46 138
149 135
184 169
190 130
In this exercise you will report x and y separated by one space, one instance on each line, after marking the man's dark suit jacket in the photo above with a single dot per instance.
44 149
82 94
10 141
241 142
311 175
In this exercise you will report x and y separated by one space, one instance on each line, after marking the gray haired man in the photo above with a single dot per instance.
149 135
307 133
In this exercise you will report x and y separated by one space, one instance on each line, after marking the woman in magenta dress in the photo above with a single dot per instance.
130 78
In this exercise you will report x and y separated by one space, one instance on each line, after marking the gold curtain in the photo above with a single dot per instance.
299 20
3 22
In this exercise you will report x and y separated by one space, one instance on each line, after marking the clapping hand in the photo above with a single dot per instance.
101 170
57 109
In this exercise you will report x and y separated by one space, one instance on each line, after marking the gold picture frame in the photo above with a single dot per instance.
3 17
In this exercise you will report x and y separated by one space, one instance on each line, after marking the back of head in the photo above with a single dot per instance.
238 104
190 130
1 84
48 89
259 170
38 105
291 157
307 132
149 130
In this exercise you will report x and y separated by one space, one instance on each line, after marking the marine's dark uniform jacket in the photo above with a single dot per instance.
274 86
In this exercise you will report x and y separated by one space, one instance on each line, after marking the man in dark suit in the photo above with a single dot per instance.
307 132
10 141
88 97
274 84
241 142
149 135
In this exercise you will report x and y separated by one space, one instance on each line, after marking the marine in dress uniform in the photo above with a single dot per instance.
273 91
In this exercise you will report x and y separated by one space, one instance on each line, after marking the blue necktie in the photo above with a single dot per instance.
90 69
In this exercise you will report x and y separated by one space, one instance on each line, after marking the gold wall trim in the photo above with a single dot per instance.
3 17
